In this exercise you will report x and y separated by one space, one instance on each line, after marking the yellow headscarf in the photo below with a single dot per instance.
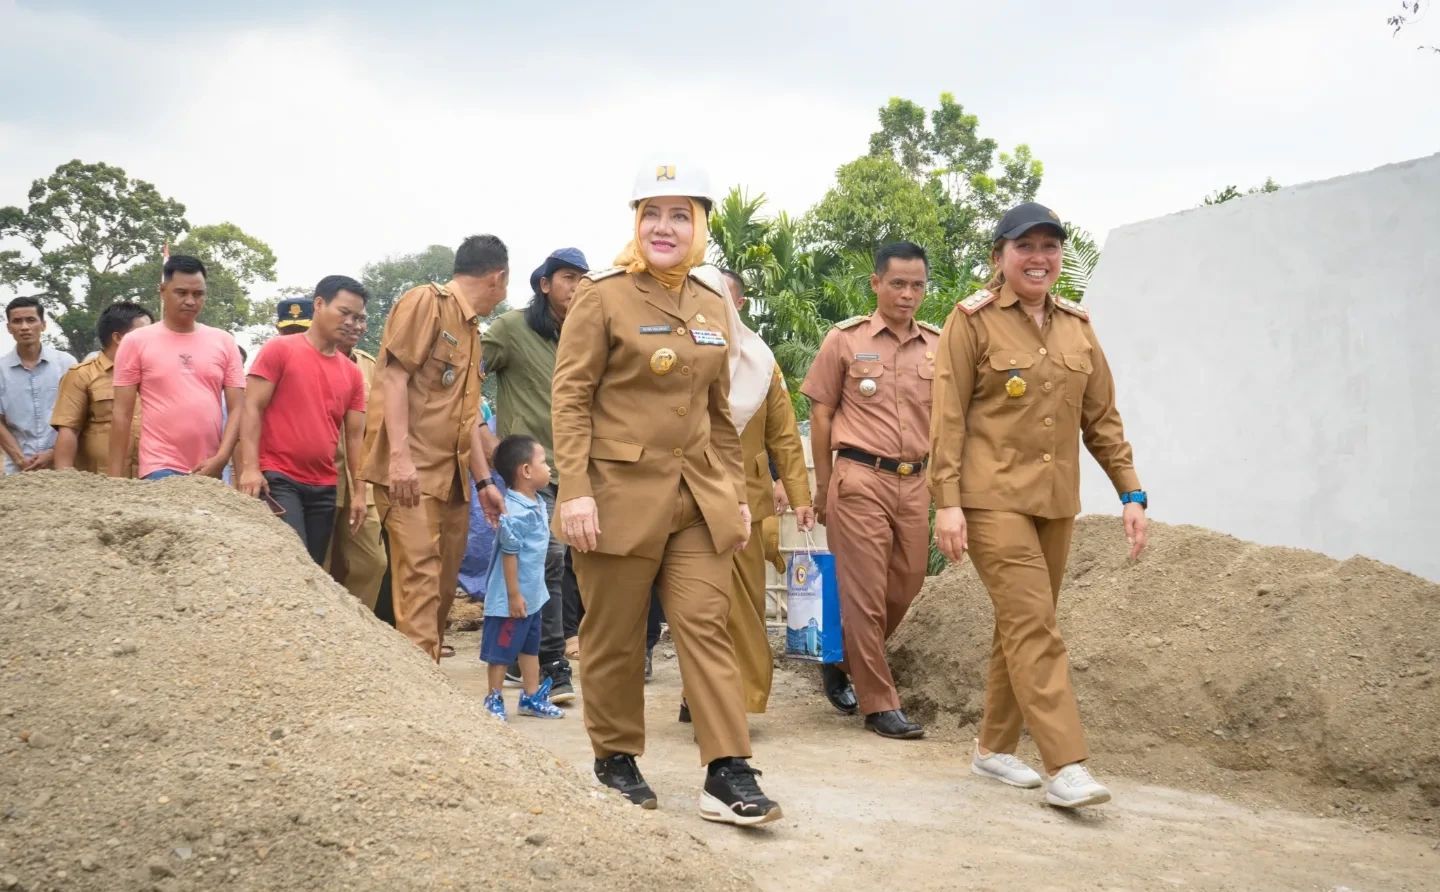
633 259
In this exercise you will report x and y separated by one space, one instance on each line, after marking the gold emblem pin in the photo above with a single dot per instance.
700 317
448 378
1015 387
295 311
867 387
662 361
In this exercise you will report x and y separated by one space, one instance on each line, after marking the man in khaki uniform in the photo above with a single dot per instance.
81 416
770 435
869 389
356 561
422 434
1020 380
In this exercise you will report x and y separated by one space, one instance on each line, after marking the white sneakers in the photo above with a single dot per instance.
1072 787
1005 768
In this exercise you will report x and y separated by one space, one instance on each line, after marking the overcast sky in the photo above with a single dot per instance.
344 132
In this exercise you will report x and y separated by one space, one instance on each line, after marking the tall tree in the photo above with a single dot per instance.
91 235
387 279
874 200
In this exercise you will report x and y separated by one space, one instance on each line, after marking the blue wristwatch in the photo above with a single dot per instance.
1137 496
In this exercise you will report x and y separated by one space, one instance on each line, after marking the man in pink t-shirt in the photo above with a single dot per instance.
179 370
302 392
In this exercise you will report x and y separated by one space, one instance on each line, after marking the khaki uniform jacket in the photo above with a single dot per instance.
1011 404
84 405
366 363
435 335
639 404
772 433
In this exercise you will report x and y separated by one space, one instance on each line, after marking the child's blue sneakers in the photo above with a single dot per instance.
495 705
538 704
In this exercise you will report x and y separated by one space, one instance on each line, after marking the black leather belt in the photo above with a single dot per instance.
893 466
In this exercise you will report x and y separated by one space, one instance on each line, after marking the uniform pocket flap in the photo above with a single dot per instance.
615 450
762 465
443 351
927 371
105 392
1003 362
866 369
1079 362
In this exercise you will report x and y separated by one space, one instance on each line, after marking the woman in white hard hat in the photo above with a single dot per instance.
652 491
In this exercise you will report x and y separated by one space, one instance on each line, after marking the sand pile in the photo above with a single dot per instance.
188 703
1258 658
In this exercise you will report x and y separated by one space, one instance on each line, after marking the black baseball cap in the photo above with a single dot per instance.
1024 217
294 312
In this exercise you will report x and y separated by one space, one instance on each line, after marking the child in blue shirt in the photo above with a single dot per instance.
516 590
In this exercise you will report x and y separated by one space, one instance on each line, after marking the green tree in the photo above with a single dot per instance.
1230 193
1081 257
91 235
387 279
874 200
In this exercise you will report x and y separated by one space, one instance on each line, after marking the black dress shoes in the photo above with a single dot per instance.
893 724
838 689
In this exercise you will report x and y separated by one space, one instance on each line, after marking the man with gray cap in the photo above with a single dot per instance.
520 353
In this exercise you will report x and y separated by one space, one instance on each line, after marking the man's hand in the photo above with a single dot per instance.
517 608
805 518
950 533
1136 525
782 501
404 480
358 509
213 466
492 504
252 483
580 522
744 527
42 461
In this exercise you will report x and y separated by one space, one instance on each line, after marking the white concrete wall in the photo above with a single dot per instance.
1277 360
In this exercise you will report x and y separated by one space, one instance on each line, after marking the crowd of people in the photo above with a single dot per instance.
643 437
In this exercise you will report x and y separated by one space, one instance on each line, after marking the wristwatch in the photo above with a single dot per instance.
1137 496
481 484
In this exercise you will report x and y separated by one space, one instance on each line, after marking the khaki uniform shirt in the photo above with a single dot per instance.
84 405
773 434
641 401
435 336
366 363
878 385
1012 401
523 364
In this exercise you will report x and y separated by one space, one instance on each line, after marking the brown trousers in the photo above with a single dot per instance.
1021 561
692 581
427 543
747 620
361 556
878 527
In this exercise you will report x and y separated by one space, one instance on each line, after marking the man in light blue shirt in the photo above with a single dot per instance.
29 383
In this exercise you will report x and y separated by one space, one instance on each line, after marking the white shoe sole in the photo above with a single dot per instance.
1095 799
562 699
712 809
992 775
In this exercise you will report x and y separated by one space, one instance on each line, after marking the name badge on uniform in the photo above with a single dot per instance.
867 357
706 338
654 329
448 338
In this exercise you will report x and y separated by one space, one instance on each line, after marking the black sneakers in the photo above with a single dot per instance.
619 772
733 796
562 690
892 723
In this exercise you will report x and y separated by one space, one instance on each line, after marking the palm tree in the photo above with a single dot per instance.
1080 259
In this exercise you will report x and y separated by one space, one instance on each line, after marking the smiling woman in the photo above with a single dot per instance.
645 441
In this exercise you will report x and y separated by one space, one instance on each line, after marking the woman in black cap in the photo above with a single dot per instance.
1019 380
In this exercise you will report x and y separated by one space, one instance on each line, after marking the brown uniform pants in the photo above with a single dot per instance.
362 556
878 527
1021 560
747 620
692 581
427 543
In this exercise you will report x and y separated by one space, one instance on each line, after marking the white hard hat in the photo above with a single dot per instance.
672 177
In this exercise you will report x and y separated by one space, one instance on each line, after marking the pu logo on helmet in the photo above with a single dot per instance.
664 172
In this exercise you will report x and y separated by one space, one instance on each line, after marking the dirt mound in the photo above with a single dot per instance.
189 703
1261 659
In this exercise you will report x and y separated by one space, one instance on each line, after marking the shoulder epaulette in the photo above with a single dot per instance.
1070 306
972 304
851 322
929 326
439 289
596 275
366 354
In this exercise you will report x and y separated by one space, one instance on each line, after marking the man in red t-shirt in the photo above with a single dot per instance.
302 392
